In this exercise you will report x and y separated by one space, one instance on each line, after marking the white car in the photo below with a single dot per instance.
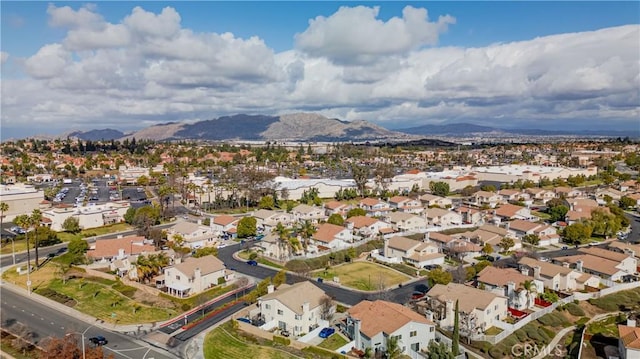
222 245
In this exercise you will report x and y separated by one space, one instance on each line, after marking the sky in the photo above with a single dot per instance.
70 66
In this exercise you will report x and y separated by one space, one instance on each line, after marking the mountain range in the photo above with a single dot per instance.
312 127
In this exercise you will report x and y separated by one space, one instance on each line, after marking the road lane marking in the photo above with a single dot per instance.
118 352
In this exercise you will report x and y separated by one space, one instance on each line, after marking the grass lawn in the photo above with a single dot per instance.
607 327
20 245
223 342
333 342
201 298
363 275
493 331
542 215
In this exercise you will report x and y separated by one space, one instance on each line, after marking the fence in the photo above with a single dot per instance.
508 329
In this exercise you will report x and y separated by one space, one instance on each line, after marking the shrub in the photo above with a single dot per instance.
574 310
496 352
281 340
185 306
221 280
521 335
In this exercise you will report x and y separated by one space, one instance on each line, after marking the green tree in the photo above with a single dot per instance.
71 225
439 188
129 215
577 233
488 188
205 251
455 340
4 207
439 276
506 243
336 219
360 176
306 230
626 202
439 350
266 202
393 348
247 227
24 222
487 249
356 212
532 239
280 278
76 249
557 213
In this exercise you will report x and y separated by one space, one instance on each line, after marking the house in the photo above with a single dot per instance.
510 195
195 275
628 261
442 217
579 213
268 219
629 248
193 235
540 194
119 248
470 215
554 277
332 236
336 207
547 234
510 283
430 200
417 253
371 324
484 198
567 192
629 340
481 308
374 207
462 248
442 240
303 212
489 234
225 224
297 308
405 204
406 222
271 246
507 212
367 227
609 192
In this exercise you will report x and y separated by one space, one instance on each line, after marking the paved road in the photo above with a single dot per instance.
45 322
341 294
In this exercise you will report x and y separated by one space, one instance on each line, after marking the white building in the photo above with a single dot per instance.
22 199
371 324
194 235
91 216
327 188
195 275
297 308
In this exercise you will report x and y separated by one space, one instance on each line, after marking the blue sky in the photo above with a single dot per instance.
60 50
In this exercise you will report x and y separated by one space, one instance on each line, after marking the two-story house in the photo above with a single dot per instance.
406 222
416 253
371 324
225 225
470 215
430 200
374 207
540 194
268 219
366 227
303 212
193 235
481 308
555 277
485 198
332 236
507 212
195 275
334 207
512 284
442 217
406 204
297 308
629 340
107 250
547 234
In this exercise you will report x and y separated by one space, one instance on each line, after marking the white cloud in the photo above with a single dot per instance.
356 35
138 72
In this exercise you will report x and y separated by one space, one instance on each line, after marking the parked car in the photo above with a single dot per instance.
98 340
285 333
417 295
252 263
246 320
327 332
564 248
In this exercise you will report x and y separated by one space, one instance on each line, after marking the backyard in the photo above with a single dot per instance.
363 275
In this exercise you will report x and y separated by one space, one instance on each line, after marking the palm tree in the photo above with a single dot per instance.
306 231
3 208
283 235
393 348
530 287
35 220
23 221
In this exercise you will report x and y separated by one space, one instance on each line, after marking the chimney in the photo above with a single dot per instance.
305 307
197 273
356 333
429 315
524 270
270 288
350 225
579 264
449 313
536 272
511 286
565 264
426 236
631 322
386 246
121 253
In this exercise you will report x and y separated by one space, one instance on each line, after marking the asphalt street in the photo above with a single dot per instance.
45 322
343 295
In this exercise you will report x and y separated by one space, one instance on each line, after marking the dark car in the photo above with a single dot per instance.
98 340
326 332
417 295
252 263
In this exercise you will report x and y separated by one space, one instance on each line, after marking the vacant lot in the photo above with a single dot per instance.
224 342
364 276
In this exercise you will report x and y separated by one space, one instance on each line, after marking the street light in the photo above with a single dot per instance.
84 353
